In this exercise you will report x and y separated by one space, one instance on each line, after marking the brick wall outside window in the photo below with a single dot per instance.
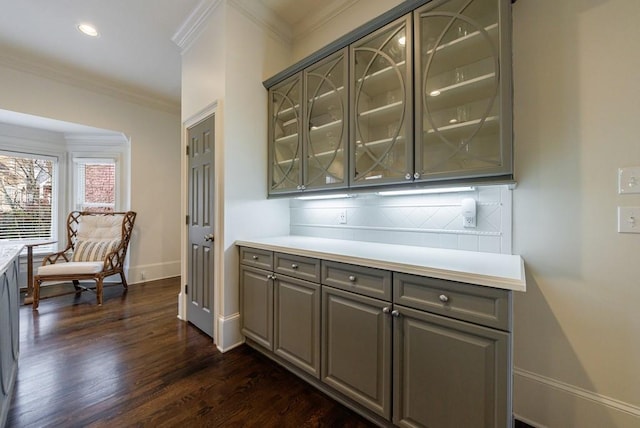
99 186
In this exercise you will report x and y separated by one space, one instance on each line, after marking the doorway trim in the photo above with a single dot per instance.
215 108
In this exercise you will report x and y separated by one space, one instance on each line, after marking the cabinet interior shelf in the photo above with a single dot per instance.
463 50
457 93
376 113
462 127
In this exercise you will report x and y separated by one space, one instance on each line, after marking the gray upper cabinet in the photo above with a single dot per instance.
462 91
308 128
285 135
420 94
382 108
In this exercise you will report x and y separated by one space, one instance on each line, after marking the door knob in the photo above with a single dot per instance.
208 237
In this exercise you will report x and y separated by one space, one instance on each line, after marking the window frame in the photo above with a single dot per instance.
111 159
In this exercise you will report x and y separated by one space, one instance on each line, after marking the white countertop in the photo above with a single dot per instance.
488 269
7 253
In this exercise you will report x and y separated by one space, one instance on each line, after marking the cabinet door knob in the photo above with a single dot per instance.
444 298
294 266
386 310
255 257
416 175
352 278
395 313
407 176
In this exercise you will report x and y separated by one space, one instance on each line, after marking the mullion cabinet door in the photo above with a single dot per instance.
285 135
462 96
326 123
381 106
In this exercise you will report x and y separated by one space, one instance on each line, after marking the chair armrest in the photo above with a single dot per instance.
55 257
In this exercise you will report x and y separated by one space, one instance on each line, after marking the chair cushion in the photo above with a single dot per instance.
71 268
93 250
100 226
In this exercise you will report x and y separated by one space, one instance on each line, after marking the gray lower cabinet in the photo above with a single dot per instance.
9 334
448 373
256 296
281 312
297 323
356 348
405 349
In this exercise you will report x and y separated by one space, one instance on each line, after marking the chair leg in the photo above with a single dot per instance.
124 280
76 285
36 294
99 291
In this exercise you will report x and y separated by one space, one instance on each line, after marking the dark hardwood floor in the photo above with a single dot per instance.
131 362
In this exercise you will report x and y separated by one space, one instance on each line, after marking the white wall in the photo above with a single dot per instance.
577 341
155 158
242 55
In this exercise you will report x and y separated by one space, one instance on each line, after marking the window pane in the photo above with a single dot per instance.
25 197
96 186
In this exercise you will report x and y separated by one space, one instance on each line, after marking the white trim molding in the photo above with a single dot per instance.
265 18
542 400
28 63
229 332
191 28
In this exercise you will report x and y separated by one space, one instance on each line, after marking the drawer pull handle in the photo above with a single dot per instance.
255 257
386 310
395 313
352 278
294 266
444 298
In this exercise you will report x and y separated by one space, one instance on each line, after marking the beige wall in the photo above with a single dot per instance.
576 94
577 341
242 55
576 62
155 157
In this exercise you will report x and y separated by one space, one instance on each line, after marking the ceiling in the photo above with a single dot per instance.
134 48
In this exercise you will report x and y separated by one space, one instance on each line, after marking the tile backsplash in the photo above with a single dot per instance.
431 220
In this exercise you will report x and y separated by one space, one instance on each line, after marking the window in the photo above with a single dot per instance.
96 185
27 196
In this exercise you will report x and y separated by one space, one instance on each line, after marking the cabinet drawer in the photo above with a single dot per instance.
257 258
474 303
297 266
358 279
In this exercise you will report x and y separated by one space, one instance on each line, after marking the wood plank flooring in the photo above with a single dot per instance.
131 362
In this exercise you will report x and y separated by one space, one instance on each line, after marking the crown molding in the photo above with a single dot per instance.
265 18
191 28
111 139
28 63
312 22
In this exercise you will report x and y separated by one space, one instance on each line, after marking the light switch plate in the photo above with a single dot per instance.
629 180
629 219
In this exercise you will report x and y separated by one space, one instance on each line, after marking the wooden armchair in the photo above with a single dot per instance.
96 248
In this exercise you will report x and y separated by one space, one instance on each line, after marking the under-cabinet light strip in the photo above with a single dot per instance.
426 191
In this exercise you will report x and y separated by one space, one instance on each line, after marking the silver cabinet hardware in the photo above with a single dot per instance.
444 298
395 313
416 175
254 257
386 310
407 176
294 266
352 278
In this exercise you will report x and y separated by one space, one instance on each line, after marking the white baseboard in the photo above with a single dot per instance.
152 272
229 336
541 402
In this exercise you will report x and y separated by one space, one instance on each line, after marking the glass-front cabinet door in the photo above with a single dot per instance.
381 115
285 135
463 122
326 124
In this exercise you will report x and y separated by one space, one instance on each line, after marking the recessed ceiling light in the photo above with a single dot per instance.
89 30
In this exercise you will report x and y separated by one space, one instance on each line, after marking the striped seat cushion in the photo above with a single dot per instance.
94 250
